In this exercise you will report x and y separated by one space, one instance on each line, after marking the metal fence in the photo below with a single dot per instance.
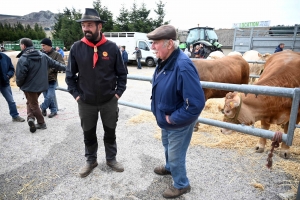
293 93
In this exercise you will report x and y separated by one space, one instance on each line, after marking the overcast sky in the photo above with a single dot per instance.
183 14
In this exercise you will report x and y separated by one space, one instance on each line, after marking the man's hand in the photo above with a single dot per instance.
117 96
167 118
77 98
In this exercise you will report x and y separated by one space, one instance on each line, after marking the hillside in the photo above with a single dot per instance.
46 19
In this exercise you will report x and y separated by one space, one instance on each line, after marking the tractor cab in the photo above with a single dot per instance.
206 36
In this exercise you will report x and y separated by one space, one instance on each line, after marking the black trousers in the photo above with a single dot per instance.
89 115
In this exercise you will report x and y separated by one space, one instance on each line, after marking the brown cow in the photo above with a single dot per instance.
229 69
281 70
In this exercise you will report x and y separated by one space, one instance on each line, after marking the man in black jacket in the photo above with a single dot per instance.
7 71
96 78
32 78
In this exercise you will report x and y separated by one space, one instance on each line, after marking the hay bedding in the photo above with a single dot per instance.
210 136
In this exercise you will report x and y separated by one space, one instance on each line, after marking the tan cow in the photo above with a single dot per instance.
234 53
229 69
215 55
255 68
14 59
281 70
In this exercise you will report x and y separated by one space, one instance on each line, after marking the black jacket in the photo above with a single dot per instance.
32 70
7 70
99 84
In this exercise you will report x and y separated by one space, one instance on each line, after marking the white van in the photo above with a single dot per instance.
131 40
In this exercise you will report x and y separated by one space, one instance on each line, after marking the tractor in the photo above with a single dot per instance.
205 36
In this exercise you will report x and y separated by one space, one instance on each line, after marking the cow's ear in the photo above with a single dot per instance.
236 101
259 55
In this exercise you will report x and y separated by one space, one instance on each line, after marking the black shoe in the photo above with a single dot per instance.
41 126
44 112
52 115
31 125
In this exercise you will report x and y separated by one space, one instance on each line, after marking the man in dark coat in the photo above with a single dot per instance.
49 95
7 71
32 78
96 78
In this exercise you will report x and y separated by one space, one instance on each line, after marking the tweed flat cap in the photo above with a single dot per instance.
163 32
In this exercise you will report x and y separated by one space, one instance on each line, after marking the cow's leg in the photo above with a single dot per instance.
285 149
260 146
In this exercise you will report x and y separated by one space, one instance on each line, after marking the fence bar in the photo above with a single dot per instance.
237 127
62 89
242 128
293 116
254 89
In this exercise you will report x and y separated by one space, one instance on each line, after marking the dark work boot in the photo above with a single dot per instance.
173 192
161 170
41 126
31 125
115 165
87 169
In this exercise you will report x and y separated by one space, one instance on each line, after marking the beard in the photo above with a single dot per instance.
92 37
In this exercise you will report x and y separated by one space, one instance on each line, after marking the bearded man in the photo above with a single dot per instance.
96 78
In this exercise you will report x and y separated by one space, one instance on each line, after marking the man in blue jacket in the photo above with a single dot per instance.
279 48
177 101
7 71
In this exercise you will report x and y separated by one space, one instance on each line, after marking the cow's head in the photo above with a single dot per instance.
231 109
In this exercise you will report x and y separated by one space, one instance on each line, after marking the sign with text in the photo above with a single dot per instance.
252 24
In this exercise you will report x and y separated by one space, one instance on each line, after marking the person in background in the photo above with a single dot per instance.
96 78
124 56
59 50
279 48
186 52
49 95
138 54
177 99
197 51
191 50
7 71
32 79
65 49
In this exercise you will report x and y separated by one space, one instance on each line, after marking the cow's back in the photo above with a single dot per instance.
229 69
282 69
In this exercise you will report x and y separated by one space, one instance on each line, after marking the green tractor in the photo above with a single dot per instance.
205 36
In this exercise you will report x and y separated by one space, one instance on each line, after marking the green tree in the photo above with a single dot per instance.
105 15
122 22
161 15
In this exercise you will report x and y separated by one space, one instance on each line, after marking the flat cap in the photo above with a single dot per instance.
163 32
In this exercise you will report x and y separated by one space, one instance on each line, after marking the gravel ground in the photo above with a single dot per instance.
44 164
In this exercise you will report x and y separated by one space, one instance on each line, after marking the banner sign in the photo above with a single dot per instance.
252 24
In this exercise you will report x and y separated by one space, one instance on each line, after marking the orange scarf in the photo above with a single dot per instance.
95 57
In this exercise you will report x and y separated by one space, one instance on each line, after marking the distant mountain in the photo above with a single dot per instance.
46 19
